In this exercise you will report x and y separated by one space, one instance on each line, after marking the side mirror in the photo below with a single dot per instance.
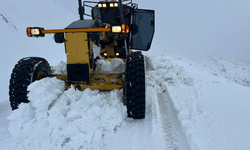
96 15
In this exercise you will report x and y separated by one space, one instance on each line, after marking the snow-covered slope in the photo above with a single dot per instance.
211 108
15 17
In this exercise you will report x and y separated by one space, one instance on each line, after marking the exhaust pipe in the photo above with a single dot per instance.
80 9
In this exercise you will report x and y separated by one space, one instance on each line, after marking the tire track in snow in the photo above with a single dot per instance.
165 112
160 130
136 134
164 117
174 134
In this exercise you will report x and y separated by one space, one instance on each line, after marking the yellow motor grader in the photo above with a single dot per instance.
116 28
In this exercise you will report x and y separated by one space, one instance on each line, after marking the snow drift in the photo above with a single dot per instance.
211 104
55 119
188 107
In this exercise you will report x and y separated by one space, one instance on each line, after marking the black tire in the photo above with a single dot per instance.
135 86
26 71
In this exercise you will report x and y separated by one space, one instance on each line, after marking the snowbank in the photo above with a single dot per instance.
230 69
211 109
55 119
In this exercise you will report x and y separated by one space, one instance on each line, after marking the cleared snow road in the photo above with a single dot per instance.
160 130
171 122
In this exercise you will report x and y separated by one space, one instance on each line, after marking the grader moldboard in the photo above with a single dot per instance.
116 27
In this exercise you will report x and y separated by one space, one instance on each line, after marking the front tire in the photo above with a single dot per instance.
135 86
26 71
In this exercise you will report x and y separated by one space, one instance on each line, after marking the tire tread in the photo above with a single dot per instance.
135 94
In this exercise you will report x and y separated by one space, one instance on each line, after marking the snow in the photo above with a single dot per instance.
14 42
96 51
188 107
105 67
212 110
61 68
65 120
198 104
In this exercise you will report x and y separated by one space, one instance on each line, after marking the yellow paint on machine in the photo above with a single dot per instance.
76 30
96 87
77 48
107 85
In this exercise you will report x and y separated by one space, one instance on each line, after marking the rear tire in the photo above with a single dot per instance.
26 71
135 86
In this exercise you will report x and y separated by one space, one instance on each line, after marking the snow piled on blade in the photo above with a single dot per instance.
106 67
61 68
58 120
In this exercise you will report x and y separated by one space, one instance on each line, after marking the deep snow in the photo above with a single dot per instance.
187 107
212 109
198 104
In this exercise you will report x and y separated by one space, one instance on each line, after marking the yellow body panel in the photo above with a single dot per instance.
76 45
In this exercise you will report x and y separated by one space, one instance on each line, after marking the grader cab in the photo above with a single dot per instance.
113 30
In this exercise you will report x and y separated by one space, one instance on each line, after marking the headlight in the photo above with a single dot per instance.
120 29
35 31
100 5
116 29
106 5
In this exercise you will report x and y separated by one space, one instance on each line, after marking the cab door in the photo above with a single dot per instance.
143 29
